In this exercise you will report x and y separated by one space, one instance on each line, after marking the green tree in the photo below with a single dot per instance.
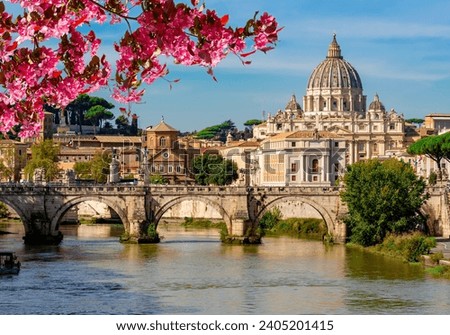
6 172
217 131
415 120
97 168
44 155
157 179
4 212
100 166
81 105
214 170
97 114
253 122
435 147
382 197
83 170
123 125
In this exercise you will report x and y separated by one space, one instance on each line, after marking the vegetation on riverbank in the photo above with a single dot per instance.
202 223
406 247
439 271
384 199
272 224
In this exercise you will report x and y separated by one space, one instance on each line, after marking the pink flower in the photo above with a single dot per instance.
46 56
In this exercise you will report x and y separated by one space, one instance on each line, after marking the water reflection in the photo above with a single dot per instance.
191 272
373 267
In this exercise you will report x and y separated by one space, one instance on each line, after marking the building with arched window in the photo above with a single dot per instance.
165 157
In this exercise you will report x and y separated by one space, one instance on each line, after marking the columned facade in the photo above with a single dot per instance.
334 128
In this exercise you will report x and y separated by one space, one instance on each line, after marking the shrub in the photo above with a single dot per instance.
4 213
436 257
152 233
409 247
270 219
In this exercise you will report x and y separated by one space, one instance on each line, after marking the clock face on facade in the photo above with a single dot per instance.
165 155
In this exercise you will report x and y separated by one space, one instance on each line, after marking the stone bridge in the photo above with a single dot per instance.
41 207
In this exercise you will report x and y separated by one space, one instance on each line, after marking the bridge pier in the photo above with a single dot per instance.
38 231
42 239
243 232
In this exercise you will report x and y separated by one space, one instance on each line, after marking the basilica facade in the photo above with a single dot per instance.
314 144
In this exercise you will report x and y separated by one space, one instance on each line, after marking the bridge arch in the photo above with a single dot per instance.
323 212
160 208
118 208
20 212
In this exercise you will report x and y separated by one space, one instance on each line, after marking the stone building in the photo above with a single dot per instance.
13 158
81 148
166 156
311 145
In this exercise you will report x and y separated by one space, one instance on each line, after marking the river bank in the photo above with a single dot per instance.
433 253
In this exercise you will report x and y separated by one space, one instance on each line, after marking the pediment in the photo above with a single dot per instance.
339 130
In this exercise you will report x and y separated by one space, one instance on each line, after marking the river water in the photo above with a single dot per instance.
191 272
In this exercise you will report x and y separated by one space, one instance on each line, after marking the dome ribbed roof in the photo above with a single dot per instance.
293 105
334 71
376 104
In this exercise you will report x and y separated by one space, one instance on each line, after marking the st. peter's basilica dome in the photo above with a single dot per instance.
334 71
334 87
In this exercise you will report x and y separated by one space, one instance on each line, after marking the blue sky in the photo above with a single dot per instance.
400 48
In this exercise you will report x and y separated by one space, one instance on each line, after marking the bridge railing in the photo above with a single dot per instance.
161 189
68 188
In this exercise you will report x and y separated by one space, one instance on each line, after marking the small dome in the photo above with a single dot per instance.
334 71
293 105
376 104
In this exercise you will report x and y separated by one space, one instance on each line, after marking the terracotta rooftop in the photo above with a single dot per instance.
118 139
162 126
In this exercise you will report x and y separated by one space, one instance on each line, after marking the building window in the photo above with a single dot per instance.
279 125
361 147
336 167
170 169
153 168
315 178
336 144
293 178
162 142
375 128
161 168
391 126
178 169
375 147
315 166
294 167
293 144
